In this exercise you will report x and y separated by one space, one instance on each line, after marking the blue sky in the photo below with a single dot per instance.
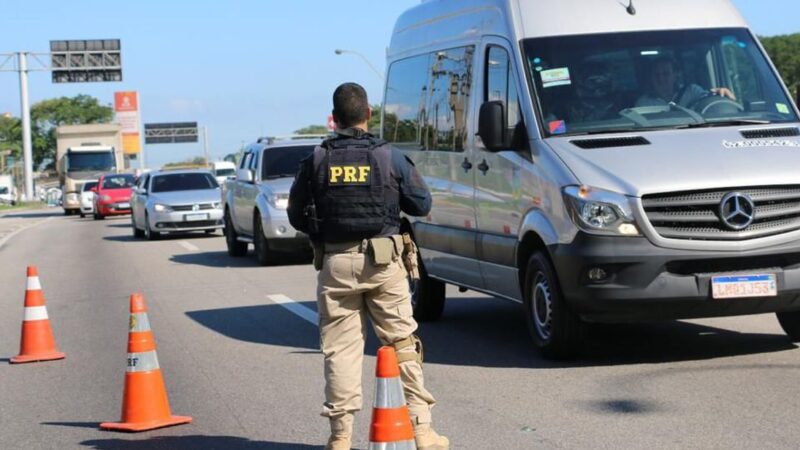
243 68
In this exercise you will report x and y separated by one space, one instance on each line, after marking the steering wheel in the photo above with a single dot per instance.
717 105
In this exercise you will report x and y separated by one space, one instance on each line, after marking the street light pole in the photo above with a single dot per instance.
339 51
27 152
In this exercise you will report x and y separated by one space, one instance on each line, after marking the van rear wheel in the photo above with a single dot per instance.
556 331
790 322
427 296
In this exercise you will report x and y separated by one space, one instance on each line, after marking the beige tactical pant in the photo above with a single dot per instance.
350 288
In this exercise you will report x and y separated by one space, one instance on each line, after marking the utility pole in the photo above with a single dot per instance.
27 150
205 145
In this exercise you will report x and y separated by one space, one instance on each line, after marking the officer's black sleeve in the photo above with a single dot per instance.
299 196
415 197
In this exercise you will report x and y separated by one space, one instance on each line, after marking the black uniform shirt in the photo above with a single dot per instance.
415 198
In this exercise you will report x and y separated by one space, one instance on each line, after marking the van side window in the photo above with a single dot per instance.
406 99
427 97
501 84
445 124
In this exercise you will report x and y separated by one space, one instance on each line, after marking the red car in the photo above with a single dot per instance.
113 195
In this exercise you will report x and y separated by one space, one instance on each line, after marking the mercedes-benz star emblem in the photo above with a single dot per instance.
737 211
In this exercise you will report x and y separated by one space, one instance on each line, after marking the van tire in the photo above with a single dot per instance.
556 331
790 322
236 248
427 296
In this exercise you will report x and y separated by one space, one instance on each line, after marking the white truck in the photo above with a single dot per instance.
83 153
8 193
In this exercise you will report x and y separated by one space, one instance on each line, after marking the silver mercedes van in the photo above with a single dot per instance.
598 161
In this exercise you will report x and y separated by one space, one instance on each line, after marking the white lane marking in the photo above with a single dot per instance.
307 314
189 246
8 237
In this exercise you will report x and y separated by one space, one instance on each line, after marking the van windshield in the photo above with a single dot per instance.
640 81
282 162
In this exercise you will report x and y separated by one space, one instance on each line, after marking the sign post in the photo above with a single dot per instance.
126 109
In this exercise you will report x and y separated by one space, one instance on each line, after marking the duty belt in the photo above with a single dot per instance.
356 246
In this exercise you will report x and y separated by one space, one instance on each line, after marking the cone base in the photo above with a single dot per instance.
21 359
144 426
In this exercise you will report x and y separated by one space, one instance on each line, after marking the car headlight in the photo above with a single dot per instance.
158 207
217 205
600 212
105 198
278 201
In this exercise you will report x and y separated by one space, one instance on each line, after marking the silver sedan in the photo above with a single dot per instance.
168 201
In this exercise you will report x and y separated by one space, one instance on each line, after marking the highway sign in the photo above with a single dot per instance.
170 133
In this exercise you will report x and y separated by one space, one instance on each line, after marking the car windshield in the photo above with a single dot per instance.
653 80
90 161
89 185
118 182
225 172
183 182
282 162
3 190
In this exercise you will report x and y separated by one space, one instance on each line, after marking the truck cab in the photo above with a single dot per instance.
256 200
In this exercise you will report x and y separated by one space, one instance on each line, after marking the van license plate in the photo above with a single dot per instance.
195 217
739 286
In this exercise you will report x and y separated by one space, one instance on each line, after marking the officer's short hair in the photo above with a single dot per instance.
350 105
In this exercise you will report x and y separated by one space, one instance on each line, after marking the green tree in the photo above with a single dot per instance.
785 53
312 129
197 161
49 114
11 135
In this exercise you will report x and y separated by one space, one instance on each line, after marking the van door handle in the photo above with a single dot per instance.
466 165
483 167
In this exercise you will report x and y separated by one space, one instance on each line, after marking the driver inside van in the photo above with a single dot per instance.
664 88
593 101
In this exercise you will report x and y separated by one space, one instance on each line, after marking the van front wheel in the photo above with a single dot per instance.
556 331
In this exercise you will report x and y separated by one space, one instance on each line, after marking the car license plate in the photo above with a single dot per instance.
738 286
195 217
123 206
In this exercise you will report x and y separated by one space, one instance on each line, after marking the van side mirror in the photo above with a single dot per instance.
244 175
492 126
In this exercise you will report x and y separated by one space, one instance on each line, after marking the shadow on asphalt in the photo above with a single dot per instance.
165 237
194 442
31 215
485 332
222 259
95 425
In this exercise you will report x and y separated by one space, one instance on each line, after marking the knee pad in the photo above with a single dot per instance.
412 341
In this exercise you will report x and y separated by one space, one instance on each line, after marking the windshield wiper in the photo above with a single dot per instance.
728 123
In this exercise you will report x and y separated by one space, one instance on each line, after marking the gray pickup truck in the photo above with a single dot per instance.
256 200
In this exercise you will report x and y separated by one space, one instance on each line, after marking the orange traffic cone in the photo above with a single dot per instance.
391 424
37 342
144 403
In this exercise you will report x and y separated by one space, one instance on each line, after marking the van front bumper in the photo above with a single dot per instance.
646 282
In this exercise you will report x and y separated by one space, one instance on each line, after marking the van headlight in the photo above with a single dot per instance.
158 207
600 212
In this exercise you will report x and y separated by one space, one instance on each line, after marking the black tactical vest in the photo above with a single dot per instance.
352 191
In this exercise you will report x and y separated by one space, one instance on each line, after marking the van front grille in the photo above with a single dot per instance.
697 214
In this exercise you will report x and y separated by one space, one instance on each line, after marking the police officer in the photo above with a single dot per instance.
348 196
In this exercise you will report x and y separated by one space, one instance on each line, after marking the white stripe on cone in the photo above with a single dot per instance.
389 393
402 445
34 284
35 313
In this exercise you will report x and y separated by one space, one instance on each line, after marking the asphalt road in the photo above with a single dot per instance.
239 353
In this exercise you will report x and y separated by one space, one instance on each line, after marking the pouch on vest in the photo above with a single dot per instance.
381 250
